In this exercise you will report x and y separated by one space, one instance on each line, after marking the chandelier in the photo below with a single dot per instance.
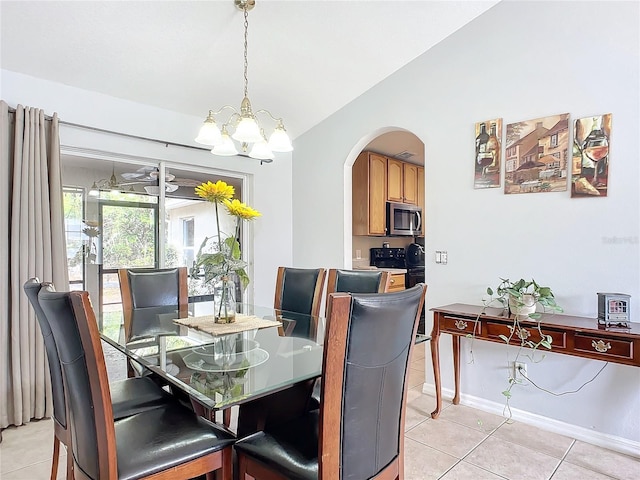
243 127
110 184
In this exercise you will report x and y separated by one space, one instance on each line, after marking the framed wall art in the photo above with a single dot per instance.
590 166
536 155
487 157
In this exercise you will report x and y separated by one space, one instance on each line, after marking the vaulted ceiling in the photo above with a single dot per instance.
307 59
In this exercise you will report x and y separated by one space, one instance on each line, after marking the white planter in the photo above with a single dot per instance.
522 307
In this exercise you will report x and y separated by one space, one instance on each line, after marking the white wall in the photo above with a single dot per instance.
520 60
270 185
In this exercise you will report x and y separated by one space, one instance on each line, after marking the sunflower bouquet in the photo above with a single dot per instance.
220 257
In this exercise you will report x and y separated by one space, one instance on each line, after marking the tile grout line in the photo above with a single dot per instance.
564 460
471 451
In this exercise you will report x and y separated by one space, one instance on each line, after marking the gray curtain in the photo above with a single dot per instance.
32 244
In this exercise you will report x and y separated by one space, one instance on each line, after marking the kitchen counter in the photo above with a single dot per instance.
390 270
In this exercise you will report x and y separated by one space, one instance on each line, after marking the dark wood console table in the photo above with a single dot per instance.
576 336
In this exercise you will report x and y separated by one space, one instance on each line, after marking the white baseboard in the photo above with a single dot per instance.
611 442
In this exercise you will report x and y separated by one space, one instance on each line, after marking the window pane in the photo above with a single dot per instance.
188 224
73 227
128 237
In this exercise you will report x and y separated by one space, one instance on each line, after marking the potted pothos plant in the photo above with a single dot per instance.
521 298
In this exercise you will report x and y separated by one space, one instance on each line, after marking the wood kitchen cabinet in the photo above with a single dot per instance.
410 182
402 181
369 194
377 179
395 180
396 282
421 203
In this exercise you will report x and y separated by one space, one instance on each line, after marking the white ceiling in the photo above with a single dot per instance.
307 59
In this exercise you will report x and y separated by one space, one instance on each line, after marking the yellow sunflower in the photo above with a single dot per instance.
238 209
216 192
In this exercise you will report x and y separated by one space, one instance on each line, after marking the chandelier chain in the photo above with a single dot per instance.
246 63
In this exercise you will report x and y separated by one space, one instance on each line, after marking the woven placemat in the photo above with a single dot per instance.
206 323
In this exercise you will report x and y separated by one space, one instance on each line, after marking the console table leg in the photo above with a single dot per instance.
455 339
435 359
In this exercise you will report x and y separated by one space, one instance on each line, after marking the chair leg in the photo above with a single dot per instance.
56 457
70 474
226 472
226 417
130 370
242 467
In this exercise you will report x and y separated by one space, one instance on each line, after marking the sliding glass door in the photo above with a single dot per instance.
128 240
126 222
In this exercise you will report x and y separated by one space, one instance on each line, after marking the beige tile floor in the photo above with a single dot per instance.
463 444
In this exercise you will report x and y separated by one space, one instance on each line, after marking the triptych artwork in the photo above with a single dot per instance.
536 155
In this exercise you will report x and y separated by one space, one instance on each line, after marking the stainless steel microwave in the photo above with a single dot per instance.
403 219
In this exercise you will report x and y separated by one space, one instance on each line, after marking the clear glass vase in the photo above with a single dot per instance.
224 300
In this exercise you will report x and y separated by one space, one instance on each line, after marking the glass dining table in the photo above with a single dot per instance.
266 362
217 366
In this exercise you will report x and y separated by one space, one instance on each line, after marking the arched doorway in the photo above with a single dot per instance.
391 142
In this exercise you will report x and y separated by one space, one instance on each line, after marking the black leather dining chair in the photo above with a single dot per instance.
299 291
168 442
128 397
351 281
358 432
356 281
151 299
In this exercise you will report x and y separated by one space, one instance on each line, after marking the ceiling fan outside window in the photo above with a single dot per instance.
146 176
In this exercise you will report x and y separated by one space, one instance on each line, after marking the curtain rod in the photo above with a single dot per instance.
128 135
138 137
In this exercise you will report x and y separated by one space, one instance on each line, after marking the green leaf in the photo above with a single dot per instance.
506 393
545 292
489 291
545 344
244 278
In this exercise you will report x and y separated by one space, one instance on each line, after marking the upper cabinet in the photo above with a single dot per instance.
411 181
421 197
395 180
402 181
377 180
369 194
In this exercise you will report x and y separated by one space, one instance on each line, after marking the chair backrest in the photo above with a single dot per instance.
75 331
367 349
357 281
299 290
148 292
32 288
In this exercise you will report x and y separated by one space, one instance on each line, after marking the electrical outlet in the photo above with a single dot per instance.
519 371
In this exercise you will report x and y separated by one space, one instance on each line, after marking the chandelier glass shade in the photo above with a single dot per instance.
244 125
110 184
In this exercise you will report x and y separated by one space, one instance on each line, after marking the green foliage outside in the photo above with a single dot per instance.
128 237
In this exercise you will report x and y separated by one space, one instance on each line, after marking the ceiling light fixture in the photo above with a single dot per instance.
110 184
246 129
